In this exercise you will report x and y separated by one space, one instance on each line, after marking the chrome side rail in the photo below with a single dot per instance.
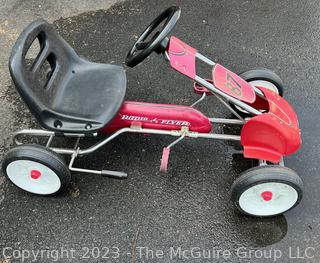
226 121
100 144
160 132
44 133
76 151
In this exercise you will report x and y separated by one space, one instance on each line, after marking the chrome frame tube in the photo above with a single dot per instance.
229 107
32 132
80 170
160 132
264 162
199 100
182 133
226 121
44 133
239 103
176 141
215 90
49 141
205 59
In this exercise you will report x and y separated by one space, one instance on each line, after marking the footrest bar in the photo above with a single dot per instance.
105 173
114 174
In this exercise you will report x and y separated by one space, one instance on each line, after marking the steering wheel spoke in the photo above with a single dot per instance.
142 45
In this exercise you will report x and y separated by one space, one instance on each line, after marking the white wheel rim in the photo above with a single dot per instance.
19 172
264 84
260 83
283 198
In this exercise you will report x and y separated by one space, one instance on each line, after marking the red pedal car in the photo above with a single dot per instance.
77 98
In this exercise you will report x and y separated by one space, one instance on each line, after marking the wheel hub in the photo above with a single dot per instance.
266 195
35 174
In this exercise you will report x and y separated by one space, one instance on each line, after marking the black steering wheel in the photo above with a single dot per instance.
143 48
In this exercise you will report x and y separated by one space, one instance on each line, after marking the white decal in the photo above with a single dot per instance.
155 120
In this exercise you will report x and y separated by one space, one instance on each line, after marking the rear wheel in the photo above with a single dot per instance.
260 77
37 170
266 191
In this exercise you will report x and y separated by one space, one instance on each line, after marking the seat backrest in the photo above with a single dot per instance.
38 91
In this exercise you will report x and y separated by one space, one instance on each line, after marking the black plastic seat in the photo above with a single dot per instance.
64 92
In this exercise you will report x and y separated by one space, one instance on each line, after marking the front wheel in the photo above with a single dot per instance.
260 77
266 191
36 169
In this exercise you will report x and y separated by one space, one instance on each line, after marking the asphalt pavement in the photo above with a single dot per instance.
151 217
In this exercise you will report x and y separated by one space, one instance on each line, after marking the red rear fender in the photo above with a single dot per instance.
274 134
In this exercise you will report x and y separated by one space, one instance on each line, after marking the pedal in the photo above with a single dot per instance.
165 160
114 174
166 151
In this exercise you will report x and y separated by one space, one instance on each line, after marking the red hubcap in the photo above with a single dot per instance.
35 174
267 195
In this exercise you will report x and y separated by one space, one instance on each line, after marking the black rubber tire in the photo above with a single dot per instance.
260 74
265 174
41 155
264 74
